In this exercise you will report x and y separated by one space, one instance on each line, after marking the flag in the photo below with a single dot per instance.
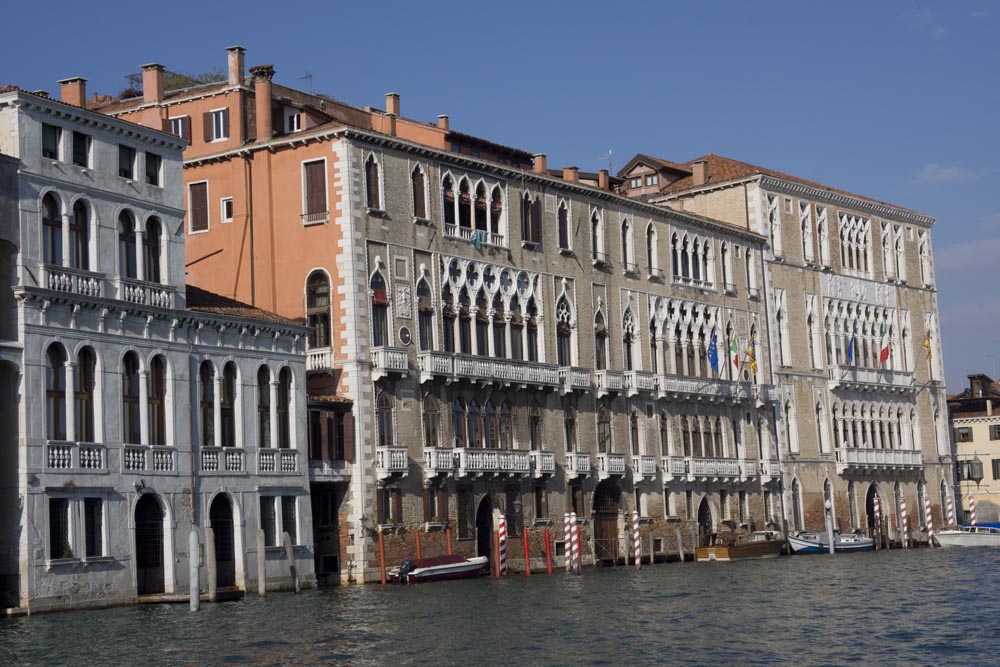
734 354
752 355
927 344
477 241
850 345
713 353
883 353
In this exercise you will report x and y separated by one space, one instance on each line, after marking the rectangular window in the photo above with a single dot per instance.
390 506
51 135
227 209
267 520
181 126
216 125
541 503
995 432
198 206
81 149
153 163
93 520
576 501
293 120
996 468
636 183
314 192
126 162
59 546
515 512
288 520
652 179
963 434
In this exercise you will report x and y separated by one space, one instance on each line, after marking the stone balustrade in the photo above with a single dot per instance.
871 459
391 462
610 465
451 367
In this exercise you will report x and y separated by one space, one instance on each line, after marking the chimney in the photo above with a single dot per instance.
392 104
236 65
262 75
73 91
699 169
571 174
541 164
443 122
152 83
604 180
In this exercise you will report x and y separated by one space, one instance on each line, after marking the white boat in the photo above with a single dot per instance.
816 543
438 568
969 536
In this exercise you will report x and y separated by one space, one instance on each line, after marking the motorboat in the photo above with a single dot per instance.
816 543
438 568
969 536
758 544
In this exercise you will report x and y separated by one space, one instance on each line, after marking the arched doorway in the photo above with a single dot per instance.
220 517
148 545
607 503
704 523
870 508
484 528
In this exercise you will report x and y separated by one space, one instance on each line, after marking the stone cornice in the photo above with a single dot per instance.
994 419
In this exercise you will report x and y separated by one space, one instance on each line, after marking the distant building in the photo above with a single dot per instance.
135 408
974 416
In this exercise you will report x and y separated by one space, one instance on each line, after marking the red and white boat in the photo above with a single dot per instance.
438 568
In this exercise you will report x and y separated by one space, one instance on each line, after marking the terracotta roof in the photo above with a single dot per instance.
203 301
721 169
17 89
654 161
490 144
118 105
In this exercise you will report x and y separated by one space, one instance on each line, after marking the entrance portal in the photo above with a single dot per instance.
221 518
704 523
484 528
607 504
870 508
148 545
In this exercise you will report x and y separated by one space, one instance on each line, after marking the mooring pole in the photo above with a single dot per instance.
381 556
548 552
527 552
194 588
447 537
261 565
290 555
680 542
210 565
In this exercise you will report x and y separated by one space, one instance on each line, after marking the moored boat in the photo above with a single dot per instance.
438 568
969 536
759 544
816 543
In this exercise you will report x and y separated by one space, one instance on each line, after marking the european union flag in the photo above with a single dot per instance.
850 346
713 353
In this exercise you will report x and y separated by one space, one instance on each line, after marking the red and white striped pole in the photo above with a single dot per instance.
930 521
636 540
905 520
972 511
576 543
502 529
567 542
951 511
877 507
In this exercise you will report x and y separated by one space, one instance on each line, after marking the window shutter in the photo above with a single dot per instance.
536 221
380 505
427 503
198 193
207 122
186 128
397 506
442 503
348 421
225 122
380 298
315 188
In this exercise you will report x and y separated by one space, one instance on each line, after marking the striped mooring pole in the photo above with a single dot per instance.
905 520
929 519
972 511
567 542
951 511
576 543
502 529
636 540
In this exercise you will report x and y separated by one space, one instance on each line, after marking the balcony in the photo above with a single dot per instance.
439 462
674 468
712 390
476 462
851 459
149 459
610 465
643 467
573 379
317 218
467 234
75 281
145 293
577 464
277 460
450 367
639 381
392 462
223 460
608 382
329 470
543 464
871 379
388 360
770 470
75 457
319 359
713 470
748 470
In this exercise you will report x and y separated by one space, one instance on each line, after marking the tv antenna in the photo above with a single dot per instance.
607 158
308 77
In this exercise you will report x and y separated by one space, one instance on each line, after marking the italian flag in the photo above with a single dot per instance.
883 353
734 355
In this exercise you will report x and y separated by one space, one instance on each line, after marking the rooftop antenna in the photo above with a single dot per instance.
607 158
308 77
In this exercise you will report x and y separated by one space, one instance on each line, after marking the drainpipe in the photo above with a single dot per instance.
249 176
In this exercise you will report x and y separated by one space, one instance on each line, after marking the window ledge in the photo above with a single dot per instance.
426 222
646 520
97 560
434 526
531 245
377 212
580 521
568 252
539 523
392 528
54 563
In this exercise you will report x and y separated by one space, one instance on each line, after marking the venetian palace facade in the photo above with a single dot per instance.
490 335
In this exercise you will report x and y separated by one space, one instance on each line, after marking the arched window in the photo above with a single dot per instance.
499 328
751 272
695 260
480 208
448 200
686 435
491 425
419 187
564 332
318 309
685 258
458 422
206 376
506 421
464 204
651 255
425 316
600 342
633 432
496 211
373 185
603 430
151 245
675 260
569 427
131 425
79 237
432 421
628 259
482 326
52 230
727 270
464 322
264 407
126 246
55 393
228 402
516 329
83 395
380 311
628 340
383 426
157 401
562 216
531 330
597 237
664 425
284 408
534 426
474 427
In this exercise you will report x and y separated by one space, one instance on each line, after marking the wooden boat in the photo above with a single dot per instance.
438 568
968 536
818 543
759 544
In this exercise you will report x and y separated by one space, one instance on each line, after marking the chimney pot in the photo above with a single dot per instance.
603 180
699 172
73 91
541 163
443 122
392 103
262 75
235 58
571 174
152 83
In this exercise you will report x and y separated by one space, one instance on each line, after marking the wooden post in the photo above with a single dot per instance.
548 552
290 556
381 556
261 564
417 533
680 542
527 553
496 553
447 537
213 575
652 543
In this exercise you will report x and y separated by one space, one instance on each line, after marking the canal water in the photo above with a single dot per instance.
923 606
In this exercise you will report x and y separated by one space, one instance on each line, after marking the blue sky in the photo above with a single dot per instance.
894 100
